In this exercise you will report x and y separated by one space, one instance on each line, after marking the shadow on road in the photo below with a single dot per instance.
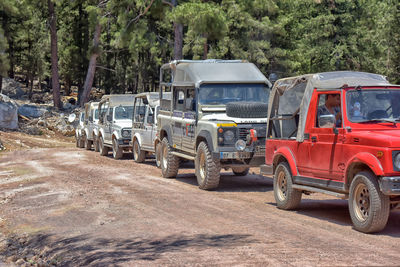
337 211
231 183
85 250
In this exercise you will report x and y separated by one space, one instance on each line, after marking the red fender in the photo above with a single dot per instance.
287 153
368 159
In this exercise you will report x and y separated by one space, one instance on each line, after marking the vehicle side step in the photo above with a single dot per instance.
318 190
182 155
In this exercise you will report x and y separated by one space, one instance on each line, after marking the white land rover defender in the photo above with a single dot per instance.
217 117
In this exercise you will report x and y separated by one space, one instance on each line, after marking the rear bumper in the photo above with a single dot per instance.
390 185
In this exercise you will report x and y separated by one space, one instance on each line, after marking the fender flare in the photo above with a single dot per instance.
206 135
289 156
87 132
116 134
167 129
95 132
365 158
137 136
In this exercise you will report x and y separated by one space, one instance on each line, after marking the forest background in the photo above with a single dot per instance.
119 45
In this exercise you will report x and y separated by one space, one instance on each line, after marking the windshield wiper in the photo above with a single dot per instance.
381 120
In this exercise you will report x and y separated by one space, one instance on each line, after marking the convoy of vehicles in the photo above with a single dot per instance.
335 133
115 124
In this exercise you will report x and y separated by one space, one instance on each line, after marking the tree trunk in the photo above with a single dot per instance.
1 84
205 46
54 55
92 67
178 43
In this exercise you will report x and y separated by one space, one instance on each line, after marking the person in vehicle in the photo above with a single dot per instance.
331 106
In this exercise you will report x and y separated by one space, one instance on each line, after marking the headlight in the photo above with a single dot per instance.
240 145
397 161
229 135
126 133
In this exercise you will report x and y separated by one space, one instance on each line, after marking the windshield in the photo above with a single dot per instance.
366 105
220 94
123 112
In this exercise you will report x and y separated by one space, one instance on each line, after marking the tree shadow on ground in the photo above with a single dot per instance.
232 183
337 211
83 250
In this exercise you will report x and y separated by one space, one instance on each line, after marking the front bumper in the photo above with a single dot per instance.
124 143
250 156
390 185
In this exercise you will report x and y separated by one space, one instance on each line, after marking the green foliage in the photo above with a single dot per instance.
287 37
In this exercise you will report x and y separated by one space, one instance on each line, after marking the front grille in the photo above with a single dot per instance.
243 132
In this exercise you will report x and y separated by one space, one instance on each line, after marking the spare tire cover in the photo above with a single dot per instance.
246 109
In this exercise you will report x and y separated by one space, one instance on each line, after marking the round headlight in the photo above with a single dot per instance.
240 145
229 135
397 161
126 133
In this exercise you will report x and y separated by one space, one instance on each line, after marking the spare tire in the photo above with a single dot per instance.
247 109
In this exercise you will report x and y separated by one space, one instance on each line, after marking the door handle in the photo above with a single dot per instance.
314 139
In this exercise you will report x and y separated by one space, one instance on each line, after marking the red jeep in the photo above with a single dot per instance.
336 133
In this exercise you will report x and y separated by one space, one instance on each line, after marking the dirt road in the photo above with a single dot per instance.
70 207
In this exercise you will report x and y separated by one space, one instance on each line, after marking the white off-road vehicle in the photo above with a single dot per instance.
145 139
115 124
217 117
79 130
90 125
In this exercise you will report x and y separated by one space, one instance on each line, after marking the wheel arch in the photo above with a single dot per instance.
286 155
204 136
362 162
166 132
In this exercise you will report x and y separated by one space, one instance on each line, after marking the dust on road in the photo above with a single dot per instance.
65 206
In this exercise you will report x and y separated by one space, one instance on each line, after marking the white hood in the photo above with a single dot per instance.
224 117
124 123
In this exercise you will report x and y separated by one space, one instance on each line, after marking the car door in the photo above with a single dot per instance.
326 149
189 120
177 116
148 128
108 125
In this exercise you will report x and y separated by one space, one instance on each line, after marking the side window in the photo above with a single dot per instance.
179 98
329 111
140 110
110 114
150 115
190 102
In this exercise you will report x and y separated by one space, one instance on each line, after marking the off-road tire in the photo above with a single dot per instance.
87 143
369 207
139 155
158 155
117 151
207 169
246 109
102 148
169 162
96 144
240 171
81 142
286 197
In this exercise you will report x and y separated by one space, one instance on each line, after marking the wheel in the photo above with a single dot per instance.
240 171
158 155
96 144
286 197
369 207
87 143
81 142
117 151
102 148
77 140
207 169
169 162
138 155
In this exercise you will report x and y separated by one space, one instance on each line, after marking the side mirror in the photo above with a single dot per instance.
327 121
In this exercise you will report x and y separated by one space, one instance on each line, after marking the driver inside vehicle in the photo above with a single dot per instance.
331 107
